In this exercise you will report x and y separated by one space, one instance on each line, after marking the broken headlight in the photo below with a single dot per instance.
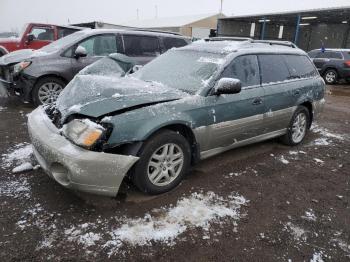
83 132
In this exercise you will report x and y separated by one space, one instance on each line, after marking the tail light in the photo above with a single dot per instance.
347 63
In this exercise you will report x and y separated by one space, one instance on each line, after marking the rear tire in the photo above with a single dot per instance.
47 90
164 160
330 76
298 127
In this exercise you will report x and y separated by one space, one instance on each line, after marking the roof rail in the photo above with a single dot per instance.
275 42
227 38
154 31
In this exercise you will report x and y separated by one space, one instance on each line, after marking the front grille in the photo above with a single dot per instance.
54 114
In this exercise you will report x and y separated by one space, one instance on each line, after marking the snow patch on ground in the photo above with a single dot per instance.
23 167
17 155
298 233
309 215
16 188
283 160
2 108
196 211
317 257
164 225
326 133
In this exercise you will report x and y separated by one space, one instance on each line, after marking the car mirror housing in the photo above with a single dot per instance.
80 52
30 38
228 86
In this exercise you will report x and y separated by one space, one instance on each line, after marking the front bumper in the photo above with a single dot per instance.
74 167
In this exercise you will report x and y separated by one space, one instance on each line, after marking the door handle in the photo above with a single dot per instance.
257 101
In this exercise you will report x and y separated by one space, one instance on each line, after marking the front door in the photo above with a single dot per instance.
238 117
42 36
97 47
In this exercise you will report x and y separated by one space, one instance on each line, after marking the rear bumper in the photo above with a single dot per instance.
74 167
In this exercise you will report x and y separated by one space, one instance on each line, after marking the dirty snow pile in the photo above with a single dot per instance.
197 211
19 156
163 225
327 136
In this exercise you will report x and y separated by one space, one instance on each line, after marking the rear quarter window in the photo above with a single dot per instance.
300 66
273 69
141 45
173 42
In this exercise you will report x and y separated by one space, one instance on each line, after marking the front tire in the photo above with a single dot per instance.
47 90
298 127
330 77
164 160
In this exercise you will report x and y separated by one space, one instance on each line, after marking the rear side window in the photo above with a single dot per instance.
62 32
244 68
330 55
299 66
141 45
173 42
273 69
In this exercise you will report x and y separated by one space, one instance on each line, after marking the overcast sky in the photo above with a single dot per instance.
15 13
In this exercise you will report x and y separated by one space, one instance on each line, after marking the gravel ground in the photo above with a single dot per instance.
265 202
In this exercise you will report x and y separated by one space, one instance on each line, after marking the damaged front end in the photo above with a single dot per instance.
76 167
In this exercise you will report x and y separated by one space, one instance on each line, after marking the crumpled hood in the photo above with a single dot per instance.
20 55
95 96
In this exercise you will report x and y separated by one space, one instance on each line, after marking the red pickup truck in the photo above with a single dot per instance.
35 36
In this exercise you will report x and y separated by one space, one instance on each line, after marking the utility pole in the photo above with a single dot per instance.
137 14
221 2
156 9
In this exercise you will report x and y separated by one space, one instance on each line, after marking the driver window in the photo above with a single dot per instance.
43 34
100 45
245 68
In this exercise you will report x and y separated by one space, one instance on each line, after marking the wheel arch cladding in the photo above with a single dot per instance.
308 105
187 133
48 76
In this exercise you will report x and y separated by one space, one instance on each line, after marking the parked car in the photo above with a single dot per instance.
35 36
333 64
39 76
188 104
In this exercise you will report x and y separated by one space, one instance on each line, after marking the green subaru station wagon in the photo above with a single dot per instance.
188 104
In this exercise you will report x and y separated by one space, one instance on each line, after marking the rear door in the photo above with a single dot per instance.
239 116
141 47
97 46
278 87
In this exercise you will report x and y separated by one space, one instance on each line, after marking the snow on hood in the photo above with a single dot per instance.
95 95
20 55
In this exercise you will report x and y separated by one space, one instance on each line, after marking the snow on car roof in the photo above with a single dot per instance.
226 47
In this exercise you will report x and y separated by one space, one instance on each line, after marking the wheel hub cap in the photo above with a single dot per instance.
49 92
165 164
299 128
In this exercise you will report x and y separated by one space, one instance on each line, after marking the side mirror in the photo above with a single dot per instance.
80 52
30 38
136 68
228 86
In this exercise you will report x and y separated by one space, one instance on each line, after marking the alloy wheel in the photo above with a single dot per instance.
299 128
49 92
165 164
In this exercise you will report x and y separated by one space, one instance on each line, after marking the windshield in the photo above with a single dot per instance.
62 42
186 70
